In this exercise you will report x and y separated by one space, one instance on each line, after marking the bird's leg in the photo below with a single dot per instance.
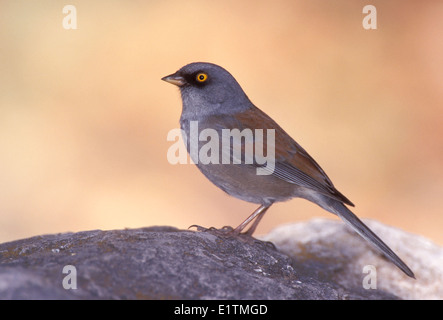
257 215
252 228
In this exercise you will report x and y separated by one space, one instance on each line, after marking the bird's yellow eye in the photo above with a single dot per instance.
202 77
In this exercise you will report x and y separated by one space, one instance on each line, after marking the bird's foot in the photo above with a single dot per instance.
225 231
229 232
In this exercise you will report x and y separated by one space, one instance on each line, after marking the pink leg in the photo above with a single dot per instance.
258 214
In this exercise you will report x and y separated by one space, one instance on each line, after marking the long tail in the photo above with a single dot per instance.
356 224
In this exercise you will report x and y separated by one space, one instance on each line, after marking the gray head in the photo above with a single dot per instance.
208 89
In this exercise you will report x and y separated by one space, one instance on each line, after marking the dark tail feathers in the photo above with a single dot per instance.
356 224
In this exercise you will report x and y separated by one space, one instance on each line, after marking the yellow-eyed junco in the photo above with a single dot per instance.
214 101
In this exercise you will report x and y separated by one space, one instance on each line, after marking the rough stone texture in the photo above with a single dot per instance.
166 263
341 255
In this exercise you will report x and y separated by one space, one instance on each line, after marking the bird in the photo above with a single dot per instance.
213 100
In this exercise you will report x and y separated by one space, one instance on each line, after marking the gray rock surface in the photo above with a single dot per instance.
340 255
166 263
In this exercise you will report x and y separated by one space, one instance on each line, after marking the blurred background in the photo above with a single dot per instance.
84 115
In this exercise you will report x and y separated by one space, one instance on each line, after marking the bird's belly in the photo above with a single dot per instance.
242 181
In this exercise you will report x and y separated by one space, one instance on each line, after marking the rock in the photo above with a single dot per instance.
332 251
315 260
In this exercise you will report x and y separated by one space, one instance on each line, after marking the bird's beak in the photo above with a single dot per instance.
175 79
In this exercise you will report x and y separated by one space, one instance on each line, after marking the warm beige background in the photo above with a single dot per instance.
84 115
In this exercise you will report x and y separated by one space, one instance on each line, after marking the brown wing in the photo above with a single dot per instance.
292 164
